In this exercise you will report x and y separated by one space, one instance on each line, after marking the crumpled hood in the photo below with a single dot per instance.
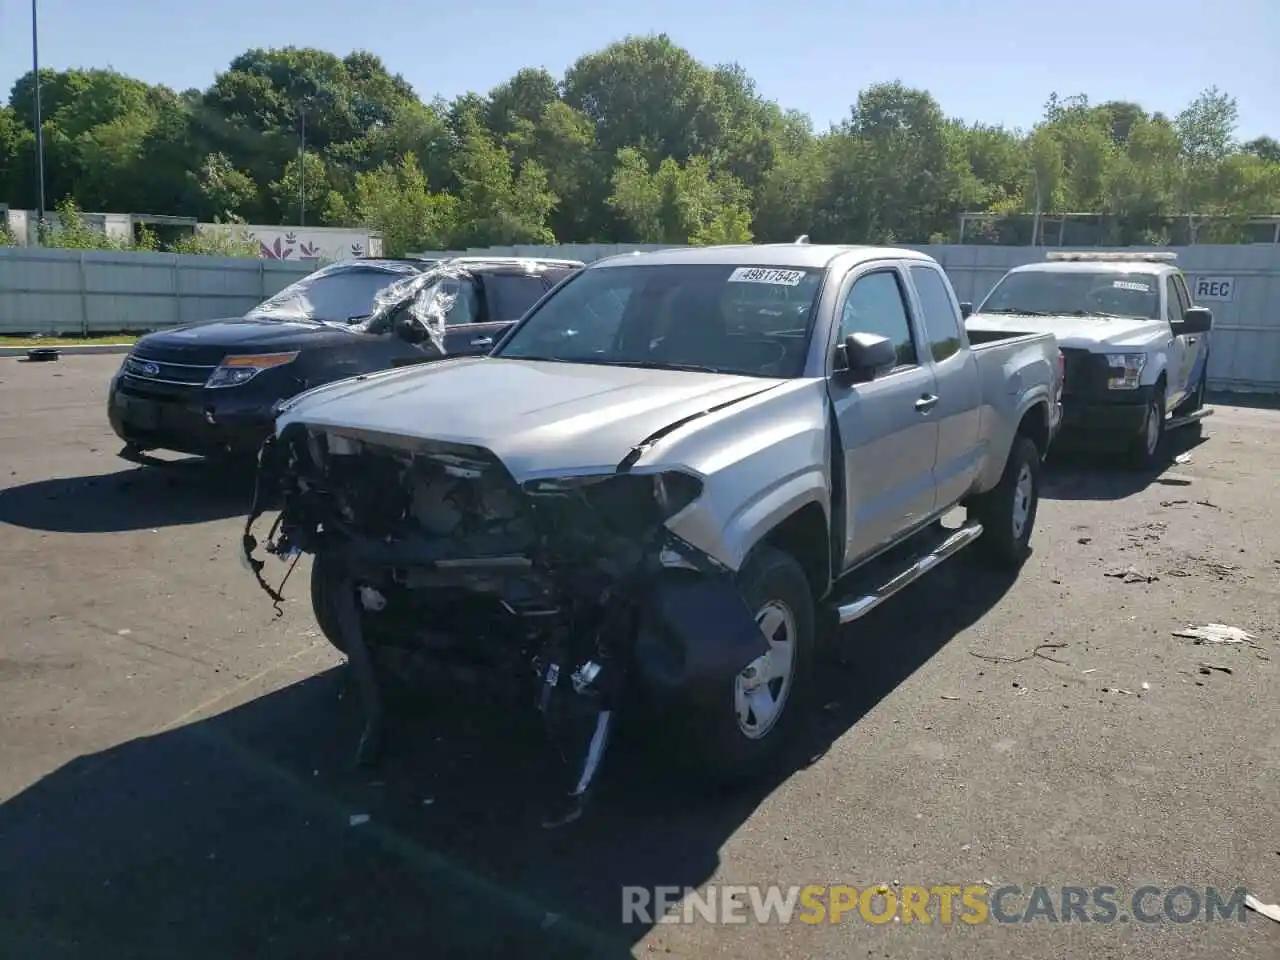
1086 333
540 418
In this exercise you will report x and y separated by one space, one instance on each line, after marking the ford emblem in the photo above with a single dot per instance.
150 369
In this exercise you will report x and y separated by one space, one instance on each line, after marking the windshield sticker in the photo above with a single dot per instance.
1131 285
784 278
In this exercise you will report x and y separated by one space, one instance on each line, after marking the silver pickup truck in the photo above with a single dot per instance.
658 487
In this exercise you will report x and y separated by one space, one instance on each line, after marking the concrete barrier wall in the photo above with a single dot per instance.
72 291
68 291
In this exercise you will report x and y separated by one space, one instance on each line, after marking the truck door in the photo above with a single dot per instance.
958 384
1189 351
887 429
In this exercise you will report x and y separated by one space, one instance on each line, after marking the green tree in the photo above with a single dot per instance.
498 205
395 201
220 190
637 141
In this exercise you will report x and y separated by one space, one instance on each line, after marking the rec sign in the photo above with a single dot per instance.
1214 288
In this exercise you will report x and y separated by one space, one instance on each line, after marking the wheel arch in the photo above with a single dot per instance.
805 536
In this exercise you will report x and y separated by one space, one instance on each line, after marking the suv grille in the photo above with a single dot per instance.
143 370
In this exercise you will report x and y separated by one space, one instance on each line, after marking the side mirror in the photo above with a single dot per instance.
866 356
966 310
1195 320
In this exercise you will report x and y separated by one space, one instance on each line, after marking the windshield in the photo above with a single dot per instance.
1076 293
752 321
338 293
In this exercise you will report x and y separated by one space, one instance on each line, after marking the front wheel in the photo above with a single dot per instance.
324 581
1007 512
1144 453
742 734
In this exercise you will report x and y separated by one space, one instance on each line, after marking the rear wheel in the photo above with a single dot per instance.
744 733
1008 511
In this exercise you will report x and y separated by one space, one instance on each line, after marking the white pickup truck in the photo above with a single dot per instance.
659 485
1136 347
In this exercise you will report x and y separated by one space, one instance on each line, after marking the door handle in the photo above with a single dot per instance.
1191 339
926 403
482 342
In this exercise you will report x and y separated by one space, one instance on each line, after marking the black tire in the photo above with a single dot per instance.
1006 542
719 748
398 693
323 582
1145 451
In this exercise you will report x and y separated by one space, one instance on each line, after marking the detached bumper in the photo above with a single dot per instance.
202 422
1119 418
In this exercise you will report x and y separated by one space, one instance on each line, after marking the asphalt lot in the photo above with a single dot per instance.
175 761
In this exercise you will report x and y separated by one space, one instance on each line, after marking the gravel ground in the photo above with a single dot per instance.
175 761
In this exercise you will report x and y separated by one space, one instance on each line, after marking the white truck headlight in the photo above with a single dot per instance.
1126 370
236 369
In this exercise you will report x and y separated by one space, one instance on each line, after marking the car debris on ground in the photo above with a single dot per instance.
1217 633
1269 910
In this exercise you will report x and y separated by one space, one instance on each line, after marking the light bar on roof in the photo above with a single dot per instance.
1084 256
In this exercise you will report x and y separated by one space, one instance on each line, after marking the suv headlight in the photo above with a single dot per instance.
241 368
1126 370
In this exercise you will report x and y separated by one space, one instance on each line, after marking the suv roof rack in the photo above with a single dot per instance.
514 261
1086 255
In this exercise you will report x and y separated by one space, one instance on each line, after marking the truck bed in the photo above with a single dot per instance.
982 338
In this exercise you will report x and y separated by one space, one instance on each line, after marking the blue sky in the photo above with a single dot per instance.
997 65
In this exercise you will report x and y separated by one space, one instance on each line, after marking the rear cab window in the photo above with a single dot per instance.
941 315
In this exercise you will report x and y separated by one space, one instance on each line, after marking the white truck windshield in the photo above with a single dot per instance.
746 320
1105 293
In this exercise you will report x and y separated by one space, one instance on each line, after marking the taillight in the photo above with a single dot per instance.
1062 373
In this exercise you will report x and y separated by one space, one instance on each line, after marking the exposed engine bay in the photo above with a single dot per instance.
432 563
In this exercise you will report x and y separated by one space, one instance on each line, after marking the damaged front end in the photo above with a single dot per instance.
571 595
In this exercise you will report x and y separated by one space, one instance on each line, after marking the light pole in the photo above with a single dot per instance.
302 167
35 73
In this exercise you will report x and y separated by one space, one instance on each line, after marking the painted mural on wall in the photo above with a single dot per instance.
326 244
289 246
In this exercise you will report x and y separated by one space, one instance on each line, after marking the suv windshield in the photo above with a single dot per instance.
1076 293
339 293
753 321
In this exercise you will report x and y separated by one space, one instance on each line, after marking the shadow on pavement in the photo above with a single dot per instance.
168 494
231 837
1076 473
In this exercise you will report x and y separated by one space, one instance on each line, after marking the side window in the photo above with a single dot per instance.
465 305
510 296
941 319
1180 299
876 305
